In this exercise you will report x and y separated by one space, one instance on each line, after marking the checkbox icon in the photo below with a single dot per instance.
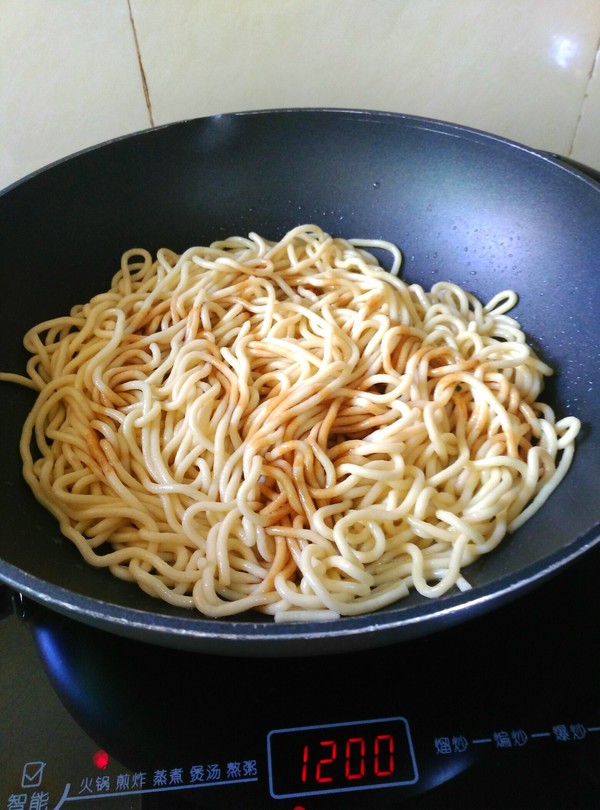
33 773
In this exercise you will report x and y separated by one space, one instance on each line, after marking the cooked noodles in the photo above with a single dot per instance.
287 427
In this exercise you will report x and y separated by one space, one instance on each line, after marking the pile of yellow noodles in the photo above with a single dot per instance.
287 427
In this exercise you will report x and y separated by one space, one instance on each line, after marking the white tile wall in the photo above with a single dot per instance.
69 78
586 143
77 72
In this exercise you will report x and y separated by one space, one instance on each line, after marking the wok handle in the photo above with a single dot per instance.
11 602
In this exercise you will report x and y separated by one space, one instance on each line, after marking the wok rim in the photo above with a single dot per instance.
247 638
583 172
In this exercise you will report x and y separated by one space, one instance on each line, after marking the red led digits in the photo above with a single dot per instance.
325 761
378 752
388 741
341 757
304 774
355 755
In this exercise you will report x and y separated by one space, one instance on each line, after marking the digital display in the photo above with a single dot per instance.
340 757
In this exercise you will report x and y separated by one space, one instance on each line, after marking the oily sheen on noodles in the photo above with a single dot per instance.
287 427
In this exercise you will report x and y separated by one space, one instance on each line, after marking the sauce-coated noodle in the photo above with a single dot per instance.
287 427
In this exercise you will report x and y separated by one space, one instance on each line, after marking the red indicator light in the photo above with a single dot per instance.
100 759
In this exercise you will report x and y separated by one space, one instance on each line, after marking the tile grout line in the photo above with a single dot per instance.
590 75
141 66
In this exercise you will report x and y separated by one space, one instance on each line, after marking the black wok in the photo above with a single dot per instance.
462 205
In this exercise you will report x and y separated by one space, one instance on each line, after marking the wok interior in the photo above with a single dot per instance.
461 205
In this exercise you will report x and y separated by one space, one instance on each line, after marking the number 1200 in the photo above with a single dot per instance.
355 753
